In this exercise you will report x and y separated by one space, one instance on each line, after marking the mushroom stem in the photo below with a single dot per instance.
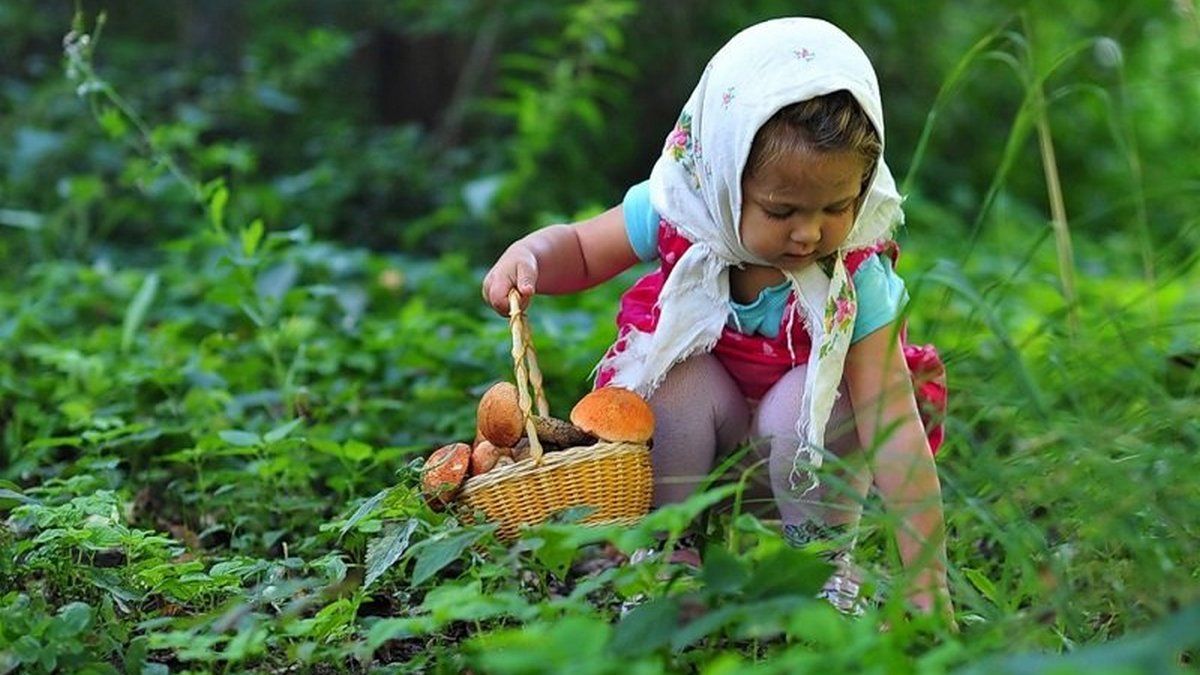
561 433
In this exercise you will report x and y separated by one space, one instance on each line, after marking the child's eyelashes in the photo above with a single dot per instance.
788 213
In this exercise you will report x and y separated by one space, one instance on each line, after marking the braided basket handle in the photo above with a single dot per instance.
525 367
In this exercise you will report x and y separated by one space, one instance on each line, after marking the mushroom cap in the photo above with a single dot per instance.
444 471
615 414
484 457
499 415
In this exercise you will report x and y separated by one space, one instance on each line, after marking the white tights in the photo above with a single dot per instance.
701 416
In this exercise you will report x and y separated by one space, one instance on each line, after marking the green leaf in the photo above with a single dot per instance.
398 629
113 122
25 220
326 446
72 620
241 439
468 602
558 548
27 648
787 571
982 583
647 628
437 553
356 451
574 644
705 625
365 509
281 432
136 314
674 518
56 442
10 496
723 572
216 208
251 237
383 552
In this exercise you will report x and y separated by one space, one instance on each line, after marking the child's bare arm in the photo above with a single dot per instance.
561 259
904 473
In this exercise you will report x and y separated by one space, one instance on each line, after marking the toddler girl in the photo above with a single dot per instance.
775 315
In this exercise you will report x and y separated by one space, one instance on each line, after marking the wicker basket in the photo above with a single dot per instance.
614 479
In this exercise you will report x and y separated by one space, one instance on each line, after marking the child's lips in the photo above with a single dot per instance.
799 257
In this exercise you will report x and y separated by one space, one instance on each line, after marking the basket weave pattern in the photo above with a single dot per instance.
614 479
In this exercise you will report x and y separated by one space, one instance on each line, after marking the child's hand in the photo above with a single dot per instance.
517 268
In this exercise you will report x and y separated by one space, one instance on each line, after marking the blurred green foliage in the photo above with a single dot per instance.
456 126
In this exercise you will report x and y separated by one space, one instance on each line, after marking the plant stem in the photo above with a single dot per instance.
1058 210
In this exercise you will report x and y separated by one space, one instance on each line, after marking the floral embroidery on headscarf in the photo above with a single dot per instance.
728 97
684 148
839 312
679 142
805 54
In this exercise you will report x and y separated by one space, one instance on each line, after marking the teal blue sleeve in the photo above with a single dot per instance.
641 221
881 296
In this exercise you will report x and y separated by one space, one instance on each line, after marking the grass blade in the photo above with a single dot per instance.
136 313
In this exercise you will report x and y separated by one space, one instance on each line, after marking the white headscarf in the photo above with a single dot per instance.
697 186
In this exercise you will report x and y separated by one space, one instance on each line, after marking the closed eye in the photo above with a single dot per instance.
780 215
840 208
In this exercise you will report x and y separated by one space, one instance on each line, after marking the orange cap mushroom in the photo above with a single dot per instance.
615 414
499 415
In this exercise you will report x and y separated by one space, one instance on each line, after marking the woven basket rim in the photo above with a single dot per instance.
550 461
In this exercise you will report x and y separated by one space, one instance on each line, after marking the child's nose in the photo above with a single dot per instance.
807 231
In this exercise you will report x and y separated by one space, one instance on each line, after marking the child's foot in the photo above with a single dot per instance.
842 589
684 553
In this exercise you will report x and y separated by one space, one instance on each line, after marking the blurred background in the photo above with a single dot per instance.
458 125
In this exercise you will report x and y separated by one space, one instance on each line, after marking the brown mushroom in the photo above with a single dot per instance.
499 415
444 472
615 414
484 457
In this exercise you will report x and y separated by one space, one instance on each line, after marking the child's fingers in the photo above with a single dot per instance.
495 291
526 282
506 275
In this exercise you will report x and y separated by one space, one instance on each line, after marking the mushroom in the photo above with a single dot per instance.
499 415
561 433
484 457
615 414
501 422
520 451
444 472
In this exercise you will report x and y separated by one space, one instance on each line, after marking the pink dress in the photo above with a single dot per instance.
757 362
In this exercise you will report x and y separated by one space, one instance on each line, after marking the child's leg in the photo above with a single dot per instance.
837 502
698 411
832 510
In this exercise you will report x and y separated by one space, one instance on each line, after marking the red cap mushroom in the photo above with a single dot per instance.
444 472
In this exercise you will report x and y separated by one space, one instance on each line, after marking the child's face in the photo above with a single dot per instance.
801 207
